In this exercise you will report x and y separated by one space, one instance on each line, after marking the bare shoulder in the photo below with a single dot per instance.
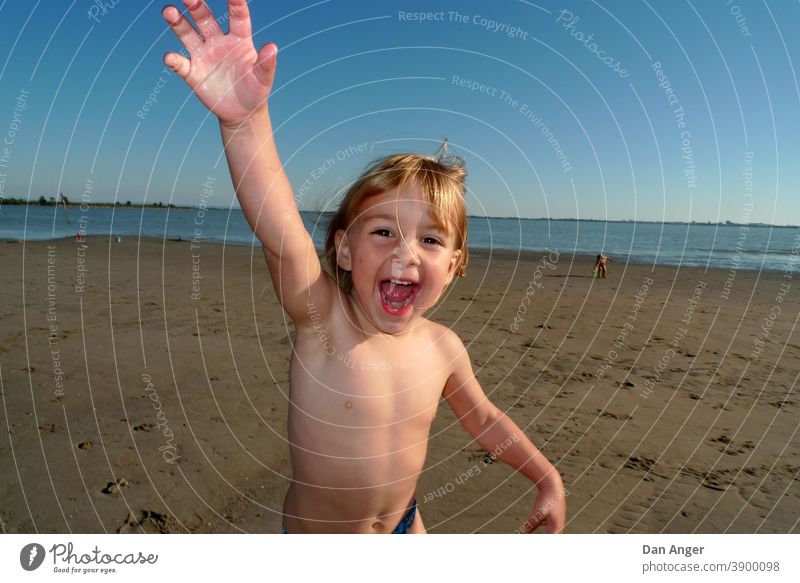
462 390
447 342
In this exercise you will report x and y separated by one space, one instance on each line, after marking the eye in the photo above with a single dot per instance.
432 241
382 232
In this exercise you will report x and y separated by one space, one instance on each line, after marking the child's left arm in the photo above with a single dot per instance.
501 437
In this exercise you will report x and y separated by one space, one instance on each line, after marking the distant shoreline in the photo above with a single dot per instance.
475 252
126 204
170 206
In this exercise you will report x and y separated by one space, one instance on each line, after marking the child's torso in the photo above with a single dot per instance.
359 418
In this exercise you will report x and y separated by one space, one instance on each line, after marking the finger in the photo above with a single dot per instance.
555 526
264 67
532 524
240 18
181 27
178 63
203 18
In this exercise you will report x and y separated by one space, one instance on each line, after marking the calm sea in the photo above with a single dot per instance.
753 247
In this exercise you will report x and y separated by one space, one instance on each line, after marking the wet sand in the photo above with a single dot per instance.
151 400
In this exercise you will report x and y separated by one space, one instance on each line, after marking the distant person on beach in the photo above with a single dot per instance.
367 368
600 266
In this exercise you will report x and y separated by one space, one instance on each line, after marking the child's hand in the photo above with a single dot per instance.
226 73
550 509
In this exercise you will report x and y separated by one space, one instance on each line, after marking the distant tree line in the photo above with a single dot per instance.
51 201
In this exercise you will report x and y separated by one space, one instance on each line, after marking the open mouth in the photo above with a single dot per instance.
398 295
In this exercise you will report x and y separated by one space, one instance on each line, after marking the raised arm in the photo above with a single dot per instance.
234 81
503 439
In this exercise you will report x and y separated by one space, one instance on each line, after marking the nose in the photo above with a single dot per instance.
404 252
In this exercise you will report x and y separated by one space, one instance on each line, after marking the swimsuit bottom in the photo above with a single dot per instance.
401 528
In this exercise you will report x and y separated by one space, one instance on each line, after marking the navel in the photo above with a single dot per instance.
348 404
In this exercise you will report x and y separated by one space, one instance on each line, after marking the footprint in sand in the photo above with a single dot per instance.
621 416
633 516
640 464
116 486
147 521
714 480
728 446
482 455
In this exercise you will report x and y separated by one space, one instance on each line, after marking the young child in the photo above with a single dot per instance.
368 369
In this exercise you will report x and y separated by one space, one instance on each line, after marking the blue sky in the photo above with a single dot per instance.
556 131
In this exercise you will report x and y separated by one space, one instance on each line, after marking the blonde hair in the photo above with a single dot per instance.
441 180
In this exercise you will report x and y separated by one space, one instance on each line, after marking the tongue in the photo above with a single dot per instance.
395 292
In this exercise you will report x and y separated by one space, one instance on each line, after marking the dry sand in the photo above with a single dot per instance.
129 406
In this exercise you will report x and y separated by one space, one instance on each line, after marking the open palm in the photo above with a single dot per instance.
224 70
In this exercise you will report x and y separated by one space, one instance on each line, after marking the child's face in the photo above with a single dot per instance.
395 237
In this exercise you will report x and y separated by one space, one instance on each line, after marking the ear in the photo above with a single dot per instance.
343 258
454 264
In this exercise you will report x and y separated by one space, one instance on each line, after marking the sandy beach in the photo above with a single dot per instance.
145 385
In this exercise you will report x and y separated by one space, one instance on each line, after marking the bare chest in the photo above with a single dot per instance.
368 384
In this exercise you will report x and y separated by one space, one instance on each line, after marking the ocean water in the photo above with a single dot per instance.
696 245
